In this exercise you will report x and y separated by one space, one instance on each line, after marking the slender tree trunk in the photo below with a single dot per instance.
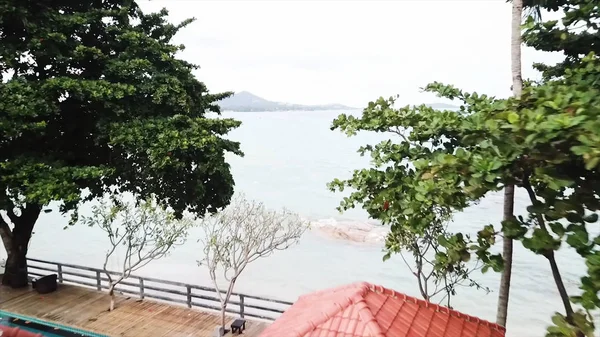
111 293
223 308
111 284
507 252
509 191
564 296
515 44
226 300
15 273
560 286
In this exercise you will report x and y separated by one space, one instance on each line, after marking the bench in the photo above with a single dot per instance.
238 325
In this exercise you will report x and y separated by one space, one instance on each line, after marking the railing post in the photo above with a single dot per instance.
60 274
189 295
98 280
141 288
241 305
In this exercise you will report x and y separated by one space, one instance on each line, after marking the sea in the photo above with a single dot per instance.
289 159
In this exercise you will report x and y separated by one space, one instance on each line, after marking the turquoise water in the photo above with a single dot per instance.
6 319
290 156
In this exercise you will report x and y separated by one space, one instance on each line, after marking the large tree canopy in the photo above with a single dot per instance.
575 35
547 143
94 97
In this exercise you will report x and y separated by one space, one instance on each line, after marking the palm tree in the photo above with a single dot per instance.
509 191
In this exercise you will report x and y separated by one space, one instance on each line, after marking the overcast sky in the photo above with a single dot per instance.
349 52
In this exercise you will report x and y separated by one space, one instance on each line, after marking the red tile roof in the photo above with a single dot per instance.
366 310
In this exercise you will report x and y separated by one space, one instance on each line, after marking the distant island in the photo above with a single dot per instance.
246 101
443 106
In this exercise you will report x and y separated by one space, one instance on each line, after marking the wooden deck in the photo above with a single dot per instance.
86 309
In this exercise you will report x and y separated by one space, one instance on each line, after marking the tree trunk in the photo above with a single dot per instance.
15 273
561 287
223 308
509 191
111 293
552 260
507 252
226 300
515 44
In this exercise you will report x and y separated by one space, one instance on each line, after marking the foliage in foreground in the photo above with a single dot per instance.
242 233
546 143
138 234
435 282
98 101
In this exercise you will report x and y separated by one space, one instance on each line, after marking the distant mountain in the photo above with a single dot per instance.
441 106
246 101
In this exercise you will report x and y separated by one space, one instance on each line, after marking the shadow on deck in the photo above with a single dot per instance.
86 309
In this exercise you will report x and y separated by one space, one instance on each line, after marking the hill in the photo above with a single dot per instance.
246 101
442 106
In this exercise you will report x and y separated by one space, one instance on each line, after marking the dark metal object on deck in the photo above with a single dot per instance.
45 284
238 325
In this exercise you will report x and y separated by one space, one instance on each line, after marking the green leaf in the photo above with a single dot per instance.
592 163
386 256
579 237
557 228
591 218
574 217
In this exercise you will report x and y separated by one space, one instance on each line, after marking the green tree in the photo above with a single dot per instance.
435 282
547 142
95 101
575 35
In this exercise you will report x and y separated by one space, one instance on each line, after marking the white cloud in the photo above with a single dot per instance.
348 51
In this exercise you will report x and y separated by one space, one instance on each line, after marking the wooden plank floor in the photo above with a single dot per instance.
86 309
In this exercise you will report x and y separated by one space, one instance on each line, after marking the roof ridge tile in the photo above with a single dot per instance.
367 317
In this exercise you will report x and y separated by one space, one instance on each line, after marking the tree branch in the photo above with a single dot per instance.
242 233
147 233
550 254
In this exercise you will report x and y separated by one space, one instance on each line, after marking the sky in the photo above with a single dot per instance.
348 52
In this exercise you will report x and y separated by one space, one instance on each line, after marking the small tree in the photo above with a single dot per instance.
138 233
242 233
434 279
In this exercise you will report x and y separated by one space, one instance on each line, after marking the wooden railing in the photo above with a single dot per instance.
168 291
